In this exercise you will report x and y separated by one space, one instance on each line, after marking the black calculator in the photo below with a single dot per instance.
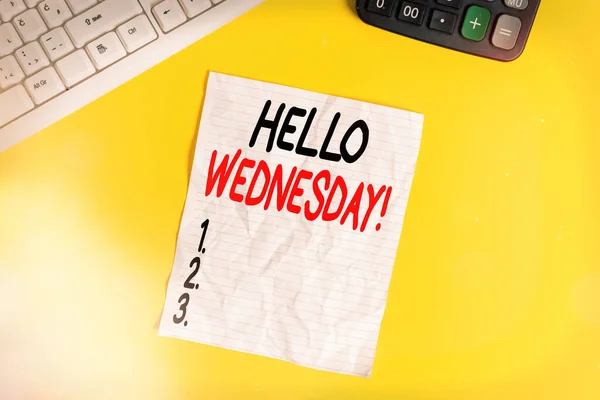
496 29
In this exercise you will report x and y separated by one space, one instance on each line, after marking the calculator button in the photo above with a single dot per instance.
450 3
506 32
518 4
411 12
442 21
383 7
476 23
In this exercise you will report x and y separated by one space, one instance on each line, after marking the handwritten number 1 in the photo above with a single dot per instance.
204 227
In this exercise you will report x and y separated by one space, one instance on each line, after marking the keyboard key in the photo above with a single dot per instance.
450 3
383 7
54 53
476 23
506 32
13 103
136 33
9 39
75 67
10 8
169 15
518 4
10 72
54 12
195 7
100 19
411 12
81 5
442 21
44 85
30 25
106 50
32 58
57 43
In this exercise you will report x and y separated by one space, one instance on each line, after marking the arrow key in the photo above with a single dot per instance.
169 15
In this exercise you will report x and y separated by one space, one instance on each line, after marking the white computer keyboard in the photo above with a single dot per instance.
58 55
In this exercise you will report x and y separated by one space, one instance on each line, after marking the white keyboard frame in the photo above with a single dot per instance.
123 70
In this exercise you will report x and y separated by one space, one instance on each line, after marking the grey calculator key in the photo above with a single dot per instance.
506 32
518 4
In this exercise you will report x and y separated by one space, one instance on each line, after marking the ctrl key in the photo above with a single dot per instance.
13 103
44 85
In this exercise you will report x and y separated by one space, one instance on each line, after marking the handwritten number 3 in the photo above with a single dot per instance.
185 298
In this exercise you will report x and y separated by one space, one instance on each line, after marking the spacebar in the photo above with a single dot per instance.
13 103
100 19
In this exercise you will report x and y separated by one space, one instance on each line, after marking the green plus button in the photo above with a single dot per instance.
476 23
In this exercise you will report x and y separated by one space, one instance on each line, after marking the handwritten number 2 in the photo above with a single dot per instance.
196 265
185 298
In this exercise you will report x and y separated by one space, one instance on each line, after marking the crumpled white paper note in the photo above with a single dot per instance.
291 224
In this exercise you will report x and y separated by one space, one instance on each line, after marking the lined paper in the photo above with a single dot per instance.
273 282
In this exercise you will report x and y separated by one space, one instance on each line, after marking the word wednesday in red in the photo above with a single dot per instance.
285 192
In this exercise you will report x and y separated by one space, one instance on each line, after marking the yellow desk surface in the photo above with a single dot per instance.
496 288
